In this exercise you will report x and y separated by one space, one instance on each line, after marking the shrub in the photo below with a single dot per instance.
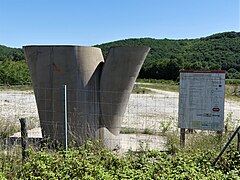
14 73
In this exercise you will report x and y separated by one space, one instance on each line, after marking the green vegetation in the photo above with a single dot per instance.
165 59
127 130
8 128
14 54
13 67
232 88
141 90
16 87
93 161
159 81
165 87
14 73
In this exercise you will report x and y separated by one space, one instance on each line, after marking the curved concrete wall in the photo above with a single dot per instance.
118 76
79 68
98 91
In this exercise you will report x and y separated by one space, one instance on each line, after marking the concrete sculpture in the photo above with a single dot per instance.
98 91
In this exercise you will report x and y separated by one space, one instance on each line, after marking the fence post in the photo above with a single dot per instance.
219 138
182 137
65 118
24 138
238 142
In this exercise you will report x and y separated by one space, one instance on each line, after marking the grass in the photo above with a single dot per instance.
141 90
126 130
166 85
93 161
232 90
8 128
159 81
16 87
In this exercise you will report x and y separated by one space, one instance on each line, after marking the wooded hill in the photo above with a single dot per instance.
165 59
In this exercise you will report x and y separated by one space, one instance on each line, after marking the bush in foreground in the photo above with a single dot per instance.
92 161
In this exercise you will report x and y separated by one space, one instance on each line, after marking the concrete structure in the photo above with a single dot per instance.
117 80
98 92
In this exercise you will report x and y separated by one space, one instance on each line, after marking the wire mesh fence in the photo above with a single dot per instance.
147 121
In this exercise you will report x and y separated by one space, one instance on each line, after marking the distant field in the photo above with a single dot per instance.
144 86
232 88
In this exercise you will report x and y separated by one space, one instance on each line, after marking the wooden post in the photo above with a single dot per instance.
238 142
219 138
182 137
24 138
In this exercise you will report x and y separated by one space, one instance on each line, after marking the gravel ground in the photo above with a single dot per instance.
145 112
17 104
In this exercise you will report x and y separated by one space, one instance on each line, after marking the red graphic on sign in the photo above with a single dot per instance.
216 109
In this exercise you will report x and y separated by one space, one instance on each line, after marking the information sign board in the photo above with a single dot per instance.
201 100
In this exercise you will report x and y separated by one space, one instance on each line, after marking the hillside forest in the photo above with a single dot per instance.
219 51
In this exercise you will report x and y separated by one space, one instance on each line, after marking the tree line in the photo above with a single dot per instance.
216 52
219 51
13 67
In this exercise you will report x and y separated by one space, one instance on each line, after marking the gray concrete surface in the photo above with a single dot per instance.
79 68
118 76
97 93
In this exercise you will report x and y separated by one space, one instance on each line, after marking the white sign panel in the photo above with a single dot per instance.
201 100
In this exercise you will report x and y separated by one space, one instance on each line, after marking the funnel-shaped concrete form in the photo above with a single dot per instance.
118 76
79 68
97 93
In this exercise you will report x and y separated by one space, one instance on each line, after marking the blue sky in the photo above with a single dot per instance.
91 22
